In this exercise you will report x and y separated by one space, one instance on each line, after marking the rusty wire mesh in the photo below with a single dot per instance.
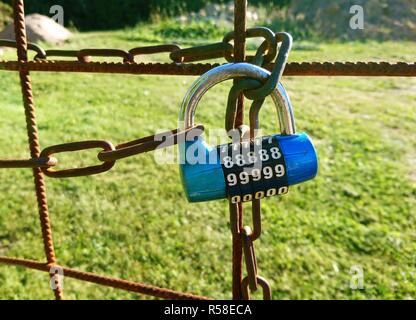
38 163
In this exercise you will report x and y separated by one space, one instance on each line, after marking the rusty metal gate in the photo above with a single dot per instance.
41 162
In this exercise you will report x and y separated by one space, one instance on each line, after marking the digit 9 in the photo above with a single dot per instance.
268 172
280 170
232 179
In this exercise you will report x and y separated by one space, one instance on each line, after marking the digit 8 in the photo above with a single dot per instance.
264 156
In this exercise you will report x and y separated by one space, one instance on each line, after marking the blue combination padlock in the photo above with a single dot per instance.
279 161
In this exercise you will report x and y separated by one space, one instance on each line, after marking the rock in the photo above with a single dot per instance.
202 13
217 13
230 7
183 19
212 9
40 28
252 16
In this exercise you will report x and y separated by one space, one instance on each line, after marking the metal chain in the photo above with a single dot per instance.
247 236
270 43
41 63
205 52
85 55
40 53
197 53
271 83
154 50
258 92
108 156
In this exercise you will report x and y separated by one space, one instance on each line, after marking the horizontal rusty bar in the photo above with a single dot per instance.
136 287
368 69
105 67
42 162
362 69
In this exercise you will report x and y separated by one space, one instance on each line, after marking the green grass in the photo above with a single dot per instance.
134 221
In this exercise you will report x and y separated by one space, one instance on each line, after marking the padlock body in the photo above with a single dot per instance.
202 172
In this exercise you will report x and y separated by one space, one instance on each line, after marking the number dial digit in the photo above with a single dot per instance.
254 171
232 179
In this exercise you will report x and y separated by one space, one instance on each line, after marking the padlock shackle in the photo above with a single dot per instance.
233 71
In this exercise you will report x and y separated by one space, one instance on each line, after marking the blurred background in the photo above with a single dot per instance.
385 19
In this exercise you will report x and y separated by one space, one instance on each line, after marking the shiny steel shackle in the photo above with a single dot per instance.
233 71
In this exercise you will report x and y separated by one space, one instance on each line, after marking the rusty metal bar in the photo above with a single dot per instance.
240 28
28 163
136 287
359 69
21 44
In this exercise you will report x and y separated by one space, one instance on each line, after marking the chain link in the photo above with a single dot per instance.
250 257
77 146
30 46
147 144
149 50
267 293
270 47
278 69
205 52
57 53
85 55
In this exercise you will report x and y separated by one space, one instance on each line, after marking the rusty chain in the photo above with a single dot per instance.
86 55
42 162
109 154
266 53
267 34
82 61
150 143
163 48
40 52
217 50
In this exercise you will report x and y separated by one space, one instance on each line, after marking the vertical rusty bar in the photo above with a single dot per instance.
240 26
30 115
